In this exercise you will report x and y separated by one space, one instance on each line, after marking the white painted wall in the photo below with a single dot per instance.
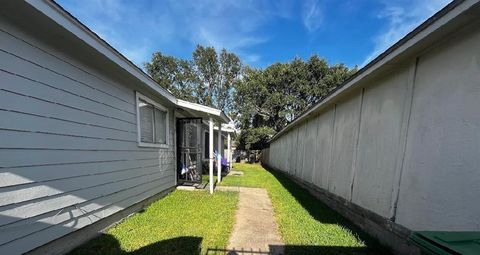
68 144
406 145
309 151
379 142
440 185
347 115
300 150
323 148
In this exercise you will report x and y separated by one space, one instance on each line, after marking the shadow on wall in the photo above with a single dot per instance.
324 214
107 244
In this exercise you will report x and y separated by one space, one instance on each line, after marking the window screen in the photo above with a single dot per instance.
146 122
160 126
153 123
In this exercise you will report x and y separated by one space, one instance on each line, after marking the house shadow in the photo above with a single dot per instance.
324 250
107 244
294 249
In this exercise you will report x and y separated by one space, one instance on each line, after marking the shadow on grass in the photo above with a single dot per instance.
291 249
107 244
324 214
323 250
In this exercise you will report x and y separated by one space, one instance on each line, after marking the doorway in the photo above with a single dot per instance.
189 151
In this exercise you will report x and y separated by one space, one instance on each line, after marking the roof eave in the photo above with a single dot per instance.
431 25
62 17
219 115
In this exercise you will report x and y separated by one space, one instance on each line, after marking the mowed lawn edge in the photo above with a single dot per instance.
183 222
306 224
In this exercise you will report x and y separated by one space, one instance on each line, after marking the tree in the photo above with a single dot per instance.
230 71
209 78
262 101
255 138
205 64
275 96
173 74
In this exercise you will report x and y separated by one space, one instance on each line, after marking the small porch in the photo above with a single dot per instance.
203 144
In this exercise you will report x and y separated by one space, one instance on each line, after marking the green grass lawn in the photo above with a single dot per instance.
184 222
307 225
191 222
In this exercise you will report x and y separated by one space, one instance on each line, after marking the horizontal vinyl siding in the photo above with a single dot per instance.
42 231
68 146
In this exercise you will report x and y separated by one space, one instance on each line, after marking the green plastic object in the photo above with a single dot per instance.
446 243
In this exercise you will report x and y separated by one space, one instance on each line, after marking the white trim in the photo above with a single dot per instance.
198 107
175 170
219 153
202 108
229 151
139 96
227 130
66 20
57 14
210 149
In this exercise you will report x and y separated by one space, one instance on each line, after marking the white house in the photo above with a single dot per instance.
86 137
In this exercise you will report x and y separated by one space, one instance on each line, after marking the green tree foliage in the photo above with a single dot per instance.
206 66
174 74
262 101
255 138
230 73
266 100
209 78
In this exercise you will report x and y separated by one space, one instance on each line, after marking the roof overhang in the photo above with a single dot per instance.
202 111
226 129
453 17
63 18
69 23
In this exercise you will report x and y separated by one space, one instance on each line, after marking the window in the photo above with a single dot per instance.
152 121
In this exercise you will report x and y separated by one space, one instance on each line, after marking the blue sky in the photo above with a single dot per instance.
261 32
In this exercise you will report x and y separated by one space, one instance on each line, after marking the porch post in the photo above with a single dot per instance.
210 150
229 151
219 157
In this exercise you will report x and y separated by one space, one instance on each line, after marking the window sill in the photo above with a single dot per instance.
153 145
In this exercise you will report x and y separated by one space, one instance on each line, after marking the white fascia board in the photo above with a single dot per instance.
198 107
225 118
67 21
227 130
71 24
456 11
218 114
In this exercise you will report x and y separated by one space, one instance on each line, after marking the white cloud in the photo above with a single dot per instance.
138 28
251 59
312 15
232 25
138 54
401 17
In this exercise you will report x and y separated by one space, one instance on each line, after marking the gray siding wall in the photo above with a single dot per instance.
406 145
68 145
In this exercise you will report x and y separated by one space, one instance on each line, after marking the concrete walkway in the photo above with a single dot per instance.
255 230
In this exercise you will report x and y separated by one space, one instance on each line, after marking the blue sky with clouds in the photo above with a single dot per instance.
261 32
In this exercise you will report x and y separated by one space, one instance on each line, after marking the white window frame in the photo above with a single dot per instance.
160 107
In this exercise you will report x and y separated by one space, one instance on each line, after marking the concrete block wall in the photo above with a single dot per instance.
404 145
